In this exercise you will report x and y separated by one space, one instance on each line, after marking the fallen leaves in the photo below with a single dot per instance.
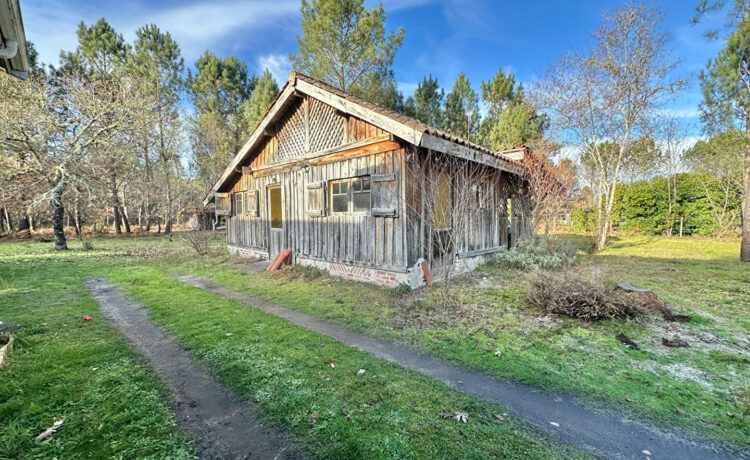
360 372
346 413
624 339
681 411
674 342
313 417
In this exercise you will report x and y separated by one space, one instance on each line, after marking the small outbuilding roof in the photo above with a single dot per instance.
14 58
402 126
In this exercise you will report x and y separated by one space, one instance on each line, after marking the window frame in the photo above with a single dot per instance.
238 198
251 212
349 181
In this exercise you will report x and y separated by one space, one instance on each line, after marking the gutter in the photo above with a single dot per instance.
10 50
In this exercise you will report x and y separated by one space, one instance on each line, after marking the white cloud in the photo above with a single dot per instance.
278 64
407 88
202 25
395 5
196 26
684 112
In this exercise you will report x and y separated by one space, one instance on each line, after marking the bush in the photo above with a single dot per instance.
308 272
88 246
566 293
199 241
535 253
400 290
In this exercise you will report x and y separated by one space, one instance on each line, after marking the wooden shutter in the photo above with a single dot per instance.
251 203
385 195
316 199
223 204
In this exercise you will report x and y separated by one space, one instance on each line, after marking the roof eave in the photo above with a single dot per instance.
11 29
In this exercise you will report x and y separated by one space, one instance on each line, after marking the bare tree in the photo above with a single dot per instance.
610 94
547 184
51 126
449 206
673 135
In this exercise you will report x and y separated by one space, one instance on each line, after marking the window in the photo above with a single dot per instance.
351 195
251 202
361 194
274 198
238 203
442 206
340 196
316 199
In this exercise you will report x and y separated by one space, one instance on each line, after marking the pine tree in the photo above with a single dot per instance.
346 45
157 67
726 104
427 103
219 89
462 110
257 105
512 119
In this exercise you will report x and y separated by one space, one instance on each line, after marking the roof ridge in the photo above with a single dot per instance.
399 117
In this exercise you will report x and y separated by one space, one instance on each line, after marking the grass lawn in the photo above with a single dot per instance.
703 389
304 383
62 366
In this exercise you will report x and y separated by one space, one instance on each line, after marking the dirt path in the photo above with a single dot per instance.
599 432
221 425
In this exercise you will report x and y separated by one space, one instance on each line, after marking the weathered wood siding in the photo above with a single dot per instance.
485 230
313 144
361 239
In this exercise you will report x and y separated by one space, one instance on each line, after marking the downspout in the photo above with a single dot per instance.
10 50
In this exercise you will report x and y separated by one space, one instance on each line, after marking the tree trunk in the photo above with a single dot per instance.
77 219
7 219
115 202
57 223
125 218
745 245
24 226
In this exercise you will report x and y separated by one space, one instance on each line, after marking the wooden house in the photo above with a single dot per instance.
348 186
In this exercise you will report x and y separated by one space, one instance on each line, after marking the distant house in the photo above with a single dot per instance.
325 174
14 58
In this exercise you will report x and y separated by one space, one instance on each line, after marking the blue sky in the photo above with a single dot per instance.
442 37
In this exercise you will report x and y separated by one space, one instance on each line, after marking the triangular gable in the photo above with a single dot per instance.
332 109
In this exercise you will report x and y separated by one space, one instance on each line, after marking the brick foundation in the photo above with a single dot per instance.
414 276
358 273
247 252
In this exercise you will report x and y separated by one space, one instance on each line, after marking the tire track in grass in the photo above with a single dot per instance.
221 425
602 432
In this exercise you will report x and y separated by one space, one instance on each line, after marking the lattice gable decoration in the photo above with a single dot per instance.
307 126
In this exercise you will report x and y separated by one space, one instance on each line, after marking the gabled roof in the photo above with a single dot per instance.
402 126
14 58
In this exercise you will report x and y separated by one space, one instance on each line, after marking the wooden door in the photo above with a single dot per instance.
275 220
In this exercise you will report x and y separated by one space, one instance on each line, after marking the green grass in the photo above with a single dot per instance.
119 410
62 366
702 277
394 413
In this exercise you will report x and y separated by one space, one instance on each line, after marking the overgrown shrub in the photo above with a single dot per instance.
199 241
535 253
566 293
400 290
308 272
